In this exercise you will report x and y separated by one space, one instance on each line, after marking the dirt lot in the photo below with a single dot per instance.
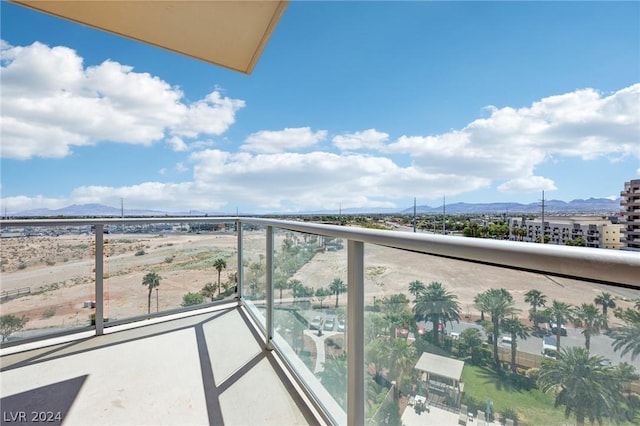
59 273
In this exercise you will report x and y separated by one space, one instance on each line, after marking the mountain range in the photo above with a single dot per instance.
579 206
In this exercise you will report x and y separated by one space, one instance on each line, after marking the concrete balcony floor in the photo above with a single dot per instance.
205 368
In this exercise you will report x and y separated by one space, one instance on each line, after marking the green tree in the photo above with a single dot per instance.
336 287
606 300
470 339
192 299
589 318
209 290
9 324
377 352
334 378
402 358
280 283
219 264
499 304
627 336
582 384
296 288
416 287
436 304
151 281
321 294
536 299
559 313
395 312
517 330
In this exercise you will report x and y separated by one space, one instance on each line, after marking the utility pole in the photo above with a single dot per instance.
414 214
122 213
444 216
544 231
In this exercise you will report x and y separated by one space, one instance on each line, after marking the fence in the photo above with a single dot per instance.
10 294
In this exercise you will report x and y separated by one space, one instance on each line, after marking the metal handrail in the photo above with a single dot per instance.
612 267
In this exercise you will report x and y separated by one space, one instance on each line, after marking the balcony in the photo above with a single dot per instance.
115 350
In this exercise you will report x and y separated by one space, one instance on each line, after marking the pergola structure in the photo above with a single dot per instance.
442 367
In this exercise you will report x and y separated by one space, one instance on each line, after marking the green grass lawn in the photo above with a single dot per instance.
533 406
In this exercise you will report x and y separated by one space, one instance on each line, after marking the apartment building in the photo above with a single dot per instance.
594 232
630 204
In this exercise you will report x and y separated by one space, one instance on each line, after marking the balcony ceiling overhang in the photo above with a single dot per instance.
231 34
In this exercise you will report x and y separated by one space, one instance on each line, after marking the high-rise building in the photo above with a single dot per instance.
631 215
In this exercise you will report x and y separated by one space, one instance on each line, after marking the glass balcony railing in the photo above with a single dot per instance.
374 326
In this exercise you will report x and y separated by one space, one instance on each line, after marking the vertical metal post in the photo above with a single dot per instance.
355 333
269 293
240 273
99 268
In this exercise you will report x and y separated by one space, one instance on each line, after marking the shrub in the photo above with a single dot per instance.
49 312
509 413
22 265
190 299
140 252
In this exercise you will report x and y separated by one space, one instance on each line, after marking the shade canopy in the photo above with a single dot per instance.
440 366
231 34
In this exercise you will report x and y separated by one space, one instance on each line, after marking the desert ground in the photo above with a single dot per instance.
60 274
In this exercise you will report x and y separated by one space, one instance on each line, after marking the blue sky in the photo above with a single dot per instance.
352 104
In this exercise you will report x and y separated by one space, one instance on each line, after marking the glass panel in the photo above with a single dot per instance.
254 249
192 264
46 280
310 276
452 370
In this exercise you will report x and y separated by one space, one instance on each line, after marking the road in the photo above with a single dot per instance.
600 344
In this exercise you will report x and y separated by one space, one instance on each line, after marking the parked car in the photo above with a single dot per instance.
316 323
329 324
554 329
505 341
341 325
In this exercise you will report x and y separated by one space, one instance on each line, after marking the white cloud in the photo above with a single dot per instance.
317 180
51 102
367 139
510 143
528 184
269 141
177 144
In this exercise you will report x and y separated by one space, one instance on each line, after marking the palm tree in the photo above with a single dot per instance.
470 340
219 264
402 357
499 304
151 280
582 384
589 318
296 288
436 304
536 299
559 313
337 286
478 303
606 300
280 283
416 287
516 329
627 336
334 378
